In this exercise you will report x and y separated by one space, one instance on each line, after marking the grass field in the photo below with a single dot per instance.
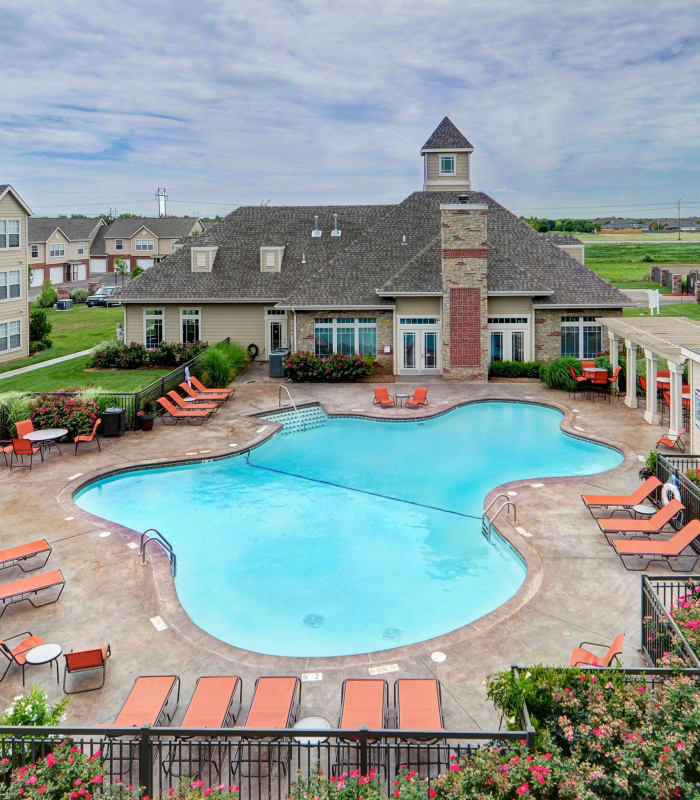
690 310
666 238
622 264
73 331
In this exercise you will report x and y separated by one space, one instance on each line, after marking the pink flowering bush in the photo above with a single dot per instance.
346 786
303 366
686 614
187 789
58 410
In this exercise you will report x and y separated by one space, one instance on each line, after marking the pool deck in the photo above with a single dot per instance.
576 588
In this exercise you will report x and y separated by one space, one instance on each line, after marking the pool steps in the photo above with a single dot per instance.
301 419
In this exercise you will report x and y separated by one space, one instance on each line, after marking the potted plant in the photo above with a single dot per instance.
146 416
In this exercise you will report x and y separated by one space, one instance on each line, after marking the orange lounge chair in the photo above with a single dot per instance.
671 442
581 657
383 398
24 588
78 661
89 437
176 415
654 524
183 406
622 502
364 701
200 387
664 550
17 654
418 704
22 448
420 397
16 556
148 702
212 397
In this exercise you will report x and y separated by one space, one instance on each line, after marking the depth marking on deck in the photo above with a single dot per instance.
512 494
529 397
158 624
104 534
578 428
523 532
383 669
260 430
311 676
576 411
68 519
73 477
233 444
205 451
438 657
191 453
537 485
132 545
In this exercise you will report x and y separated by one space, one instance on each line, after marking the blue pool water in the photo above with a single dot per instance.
352 537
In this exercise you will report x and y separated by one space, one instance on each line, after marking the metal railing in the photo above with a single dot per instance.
291 400
667 465
659 632
487 523
158 538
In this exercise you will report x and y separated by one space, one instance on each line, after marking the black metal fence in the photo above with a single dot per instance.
660 634
262 763
667 466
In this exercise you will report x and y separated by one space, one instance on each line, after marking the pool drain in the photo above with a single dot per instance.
391 633
313 620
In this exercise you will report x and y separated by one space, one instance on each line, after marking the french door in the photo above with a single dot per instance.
420 353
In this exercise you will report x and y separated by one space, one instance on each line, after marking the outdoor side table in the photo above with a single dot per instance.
644 510
311 724
44 654
47 437
402 398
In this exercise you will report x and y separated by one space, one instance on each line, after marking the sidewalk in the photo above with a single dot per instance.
14 372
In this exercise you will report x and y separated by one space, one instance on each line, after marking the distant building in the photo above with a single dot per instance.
14 304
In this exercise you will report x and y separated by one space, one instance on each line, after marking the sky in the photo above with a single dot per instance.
574 108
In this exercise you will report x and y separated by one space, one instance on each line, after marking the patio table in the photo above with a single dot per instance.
311 724
47 437
402 398
44 654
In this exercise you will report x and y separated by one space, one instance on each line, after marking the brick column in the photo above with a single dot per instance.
465 339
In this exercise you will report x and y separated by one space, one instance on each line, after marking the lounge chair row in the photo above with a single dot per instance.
200 404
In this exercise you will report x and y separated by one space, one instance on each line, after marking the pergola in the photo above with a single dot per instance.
657 336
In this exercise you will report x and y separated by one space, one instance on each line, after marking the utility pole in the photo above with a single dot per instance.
679 218
162 199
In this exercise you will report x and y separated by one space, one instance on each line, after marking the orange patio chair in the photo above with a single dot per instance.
18 555
79 661
669 550
200 387
89 437
418 704
17 654
589 364
581 657
671 442
383 398
22 448
663 373
175 415
212 397
183 406
578 379
642 527
26 588
622 502
148 702
420 397
614 385
23 427
364 701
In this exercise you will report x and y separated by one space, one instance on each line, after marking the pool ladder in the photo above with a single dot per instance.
487 524
158 538
294 405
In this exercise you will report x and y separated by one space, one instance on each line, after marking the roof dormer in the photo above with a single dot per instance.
446 159
203 258
271 258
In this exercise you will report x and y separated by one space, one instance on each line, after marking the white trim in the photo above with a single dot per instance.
463 207
143 228
144 315
345 307
7 235
271 318
585 305
524 293
409 294
199 318
461 182
447 150
7 271
8 322
8 188
507 328
453 156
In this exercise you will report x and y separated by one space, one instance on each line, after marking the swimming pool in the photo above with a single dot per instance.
352 537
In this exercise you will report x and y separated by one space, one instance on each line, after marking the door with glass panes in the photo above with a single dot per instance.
509 338
419 351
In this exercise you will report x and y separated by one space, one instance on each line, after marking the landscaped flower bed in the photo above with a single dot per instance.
303 366
113 355
75 413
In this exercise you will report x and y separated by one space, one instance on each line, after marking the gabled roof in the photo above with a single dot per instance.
447 137
74 229
165 227
5 188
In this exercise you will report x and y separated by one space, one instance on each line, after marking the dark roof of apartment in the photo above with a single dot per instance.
167 227
367 260
75 229
447 135
98 246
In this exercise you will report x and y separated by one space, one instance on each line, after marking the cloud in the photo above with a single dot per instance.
303 101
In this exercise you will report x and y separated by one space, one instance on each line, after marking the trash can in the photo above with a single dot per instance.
113 422
275 364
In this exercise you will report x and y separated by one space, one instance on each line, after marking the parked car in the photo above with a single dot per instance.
103 297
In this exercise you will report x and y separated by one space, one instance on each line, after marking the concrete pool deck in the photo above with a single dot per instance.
576 588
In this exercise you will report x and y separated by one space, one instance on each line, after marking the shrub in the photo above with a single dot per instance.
60 410
48 295
556 373
14 406
649 468
79 295
39 325
236 354
348 786
303 366
647 258
136 271
217 368
34 709
132 356
106 354
514 369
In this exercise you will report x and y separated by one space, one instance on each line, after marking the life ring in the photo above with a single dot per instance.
668 491
253 351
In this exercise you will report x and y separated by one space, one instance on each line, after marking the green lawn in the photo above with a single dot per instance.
73 331
74 373
622 264
665 238
691 310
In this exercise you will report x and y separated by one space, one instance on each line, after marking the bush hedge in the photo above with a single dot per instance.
115 355
514 369
302 366
79 295
59 410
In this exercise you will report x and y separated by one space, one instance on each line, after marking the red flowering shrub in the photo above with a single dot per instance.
303 366
57 410
687 616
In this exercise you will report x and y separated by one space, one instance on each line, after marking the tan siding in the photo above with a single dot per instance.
575 251
418 306
70 249
694 379
15 309
461 165
509 305
112 250
41 253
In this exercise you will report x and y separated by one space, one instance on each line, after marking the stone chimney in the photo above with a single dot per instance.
465 338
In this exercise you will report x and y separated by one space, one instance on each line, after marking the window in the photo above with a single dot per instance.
510 338
496 345
201 259
9 285
581 337
347 335
270 258
82 247
153 326
9 233
189 323
144 244
35 251
118 244
10 335
57 250
447 165
418 320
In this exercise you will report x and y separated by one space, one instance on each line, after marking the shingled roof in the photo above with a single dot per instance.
563 238
368 262
447 136
166 227
74 229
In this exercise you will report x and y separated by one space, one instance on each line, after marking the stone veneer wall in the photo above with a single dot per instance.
385 332
548 328
465 338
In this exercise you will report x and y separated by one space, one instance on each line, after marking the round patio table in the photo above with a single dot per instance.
44 654
47 437
402 398
312 724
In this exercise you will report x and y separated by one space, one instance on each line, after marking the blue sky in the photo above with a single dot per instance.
575 109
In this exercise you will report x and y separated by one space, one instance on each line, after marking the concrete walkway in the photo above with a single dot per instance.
15 372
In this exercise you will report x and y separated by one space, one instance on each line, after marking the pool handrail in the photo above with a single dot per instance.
291 400
163 542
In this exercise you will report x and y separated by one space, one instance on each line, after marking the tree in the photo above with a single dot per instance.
48 295
136 271
39 325
121 268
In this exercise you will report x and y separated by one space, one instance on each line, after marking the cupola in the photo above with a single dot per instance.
446 159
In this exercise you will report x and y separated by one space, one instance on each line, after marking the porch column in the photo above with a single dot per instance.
614 354
631 396
676 375
651 415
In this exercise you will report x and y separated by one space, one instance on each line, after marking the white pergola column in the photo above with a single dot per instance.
631 396
651 415
614 354
676 376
